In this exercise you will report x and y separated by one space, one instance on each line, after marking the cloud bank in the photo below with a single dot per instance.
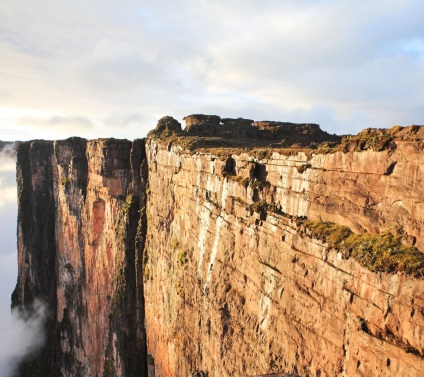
346 65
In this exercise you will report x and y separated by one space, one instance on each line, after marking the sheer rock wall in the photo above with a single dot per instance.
200 261
79 253
231 289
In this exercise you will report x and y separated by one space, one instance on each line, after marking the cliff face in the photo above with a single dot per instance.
233 287
208 260
80 242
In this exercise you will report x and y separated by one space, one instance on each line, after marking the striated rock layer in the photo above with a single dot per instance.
201 263
232 289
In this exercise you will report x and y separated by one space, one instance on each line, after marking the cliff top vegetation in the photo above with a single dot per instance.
210 133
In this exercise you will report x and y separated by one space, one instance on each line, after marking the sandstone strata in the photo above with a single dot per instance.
231 289
213 256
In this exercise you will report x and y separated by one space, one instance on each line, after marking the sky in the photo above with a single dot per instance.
112 68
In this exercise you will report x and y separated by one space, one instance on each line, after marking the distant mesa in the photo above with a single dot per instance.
213 126
196 122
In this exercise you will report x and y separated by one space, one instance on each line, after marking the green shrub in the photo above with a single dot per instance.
150 359
258 206
175 244
302 168
182 258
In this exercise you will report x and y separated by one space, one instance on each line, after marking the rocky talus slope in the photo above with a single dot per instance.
208 256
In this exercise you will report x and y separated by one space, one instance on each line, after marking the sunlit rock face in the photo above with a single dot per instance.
196 259
235 289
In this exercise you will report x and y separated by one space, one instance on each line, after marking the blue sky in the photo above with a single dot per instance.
112 68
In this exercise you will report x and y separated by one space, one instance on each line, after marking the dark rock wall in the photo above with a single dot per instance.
80 238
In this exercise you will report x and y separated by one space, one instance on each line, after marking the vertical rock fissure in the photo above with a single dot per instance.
127 315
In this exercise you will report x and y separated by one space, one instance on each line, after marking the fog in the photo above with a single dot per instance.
21 335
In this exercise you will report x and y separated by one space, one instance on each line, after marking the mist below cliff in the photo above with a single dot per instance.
21 335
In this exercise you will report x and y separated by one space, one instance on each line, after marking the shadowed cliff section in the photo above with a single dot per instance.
37 275
80 240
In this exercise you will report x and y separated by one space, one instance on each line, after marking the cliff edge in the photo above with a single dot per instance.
229 248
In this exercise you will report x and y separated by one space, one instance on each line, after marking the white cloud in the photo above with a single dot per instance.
414 47
8 207
125 119
7 195
354 59
166 58
57 121
22 334
8 158
162 57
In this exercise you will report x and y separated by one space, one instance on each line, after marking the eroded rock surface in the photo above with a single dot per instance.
189 251
234 285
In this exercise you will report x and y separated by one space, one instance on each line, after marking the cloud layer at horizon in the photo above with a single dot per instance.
99 69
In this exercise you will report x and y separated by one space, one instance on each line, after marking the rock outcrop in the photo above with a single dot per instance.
236 128
206 257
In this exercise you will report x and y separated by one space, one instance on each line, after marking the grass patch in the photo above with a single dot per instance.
150 359
261 154
180 290
374 139
175 244
65 182
109 368
222 147
368 139
182 257
378 252
260 185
